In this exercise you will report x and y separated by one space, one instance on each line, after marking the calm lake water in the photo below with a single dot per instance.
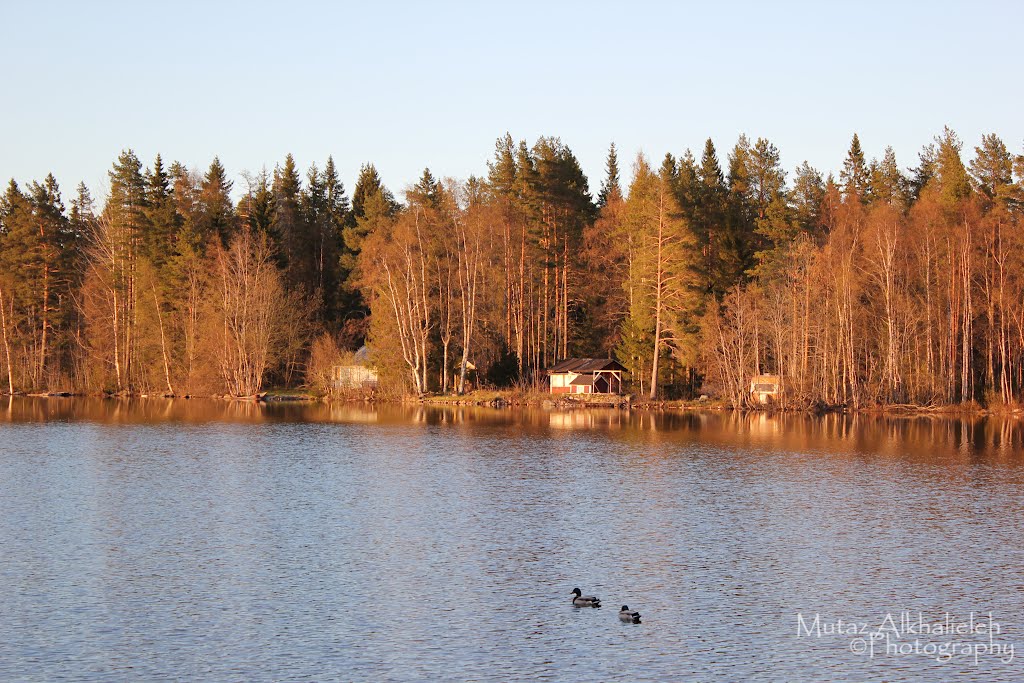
191 540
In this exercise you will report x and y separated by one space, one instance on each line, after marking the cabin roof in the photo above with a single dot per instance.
585 365
362 356
582 381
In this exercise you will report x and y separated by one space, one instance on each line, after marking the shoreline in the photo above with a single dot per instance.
505 399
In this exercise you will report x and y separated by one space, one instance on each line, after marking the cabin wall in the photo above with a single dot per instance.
355 377
560 383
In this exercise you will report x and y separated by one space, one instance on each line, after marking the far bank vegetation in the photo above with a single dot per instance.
880 285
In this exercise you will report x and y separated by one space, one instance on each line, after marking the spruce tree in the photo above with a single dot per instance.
427 191
368 184
318 220
337 202
287 227
611 187
723 261
740 211
372 206
162 216
338 211
217 210
256 208
855 174
82 212
686 183
20 240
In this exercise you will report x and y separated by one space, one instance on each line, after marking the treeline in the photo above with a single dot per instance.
173 287
879 286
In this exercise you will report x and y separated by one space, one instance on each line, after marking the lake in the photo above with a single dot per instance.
218 541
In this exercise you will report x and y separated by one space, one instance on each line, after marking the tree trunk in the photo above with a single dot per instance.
163 343
7 344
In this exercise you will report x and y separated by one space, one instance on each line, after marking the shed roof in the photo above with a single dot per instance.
582 365
582 381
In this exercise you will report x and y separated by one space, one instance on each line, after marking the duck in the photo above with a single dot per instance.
580 600
630 616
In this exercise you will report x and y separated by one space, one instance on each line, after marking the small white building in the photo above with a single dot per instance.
765 389
586 376
359 374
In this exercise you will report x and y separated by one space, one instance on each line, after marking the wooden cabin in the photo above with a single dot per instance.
765 389
586 376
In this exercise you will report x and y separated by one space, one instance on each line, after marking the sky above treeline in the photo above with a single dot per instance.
411 84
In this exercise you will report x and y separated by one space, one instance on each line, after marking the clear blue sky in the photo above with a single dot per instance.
407 85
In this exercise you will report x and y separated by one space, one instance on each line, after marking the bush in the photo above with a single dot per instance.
324 355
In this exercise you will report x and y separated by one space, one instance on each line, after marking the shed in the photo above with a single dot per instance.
586 376
765 389
359 374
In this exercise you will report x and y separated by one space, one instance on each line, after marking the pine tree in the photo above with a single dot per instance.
767 180
60 249
527 182
768 195
992 168
807 197
113 257
951 174
924 171
17 278
501 172
127 205
185 191
888 183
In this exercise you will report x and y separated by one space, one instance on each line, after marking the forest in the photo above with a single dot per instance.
884 285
